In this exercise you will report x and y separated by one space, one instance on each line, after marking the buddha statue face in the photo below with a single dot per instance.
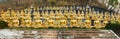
96 23
73 22
39 22
105 22
51 23
62 22
78 19
16 23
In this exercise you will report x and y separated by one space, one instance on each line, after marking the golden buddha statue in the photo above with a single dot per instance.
112 18
22 17
4 15
66 14
57 20
90 13
97 24
38 23
78 14
8 18
73 23
63 17
79 21
87 17
28 20
35 13
107 16
87 24
15 21
74 15
104 23
51 14
56 13
118 17
70 14
46 14
82 14
94 16
60 13
51 23
100 16
63 23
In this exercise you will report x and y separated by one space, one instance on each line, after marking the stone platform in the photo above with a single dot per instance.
57 34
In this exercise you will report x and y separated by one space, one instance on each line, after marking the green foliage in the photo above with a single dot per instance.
52 2
3 24
113 26
113 2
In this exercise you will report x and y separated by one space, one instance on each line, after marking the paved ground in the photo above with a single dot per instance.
57 34
117 32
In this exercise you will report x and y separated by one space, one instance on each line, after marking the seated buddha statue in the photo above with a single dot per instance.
2 14
71 14
112 18
63 23
94 16
101 16
87 24
118 17
107 16
97 24
66 14
51 23
38 23
82 14
74 16
90 13
73 23
78 14
79 21
104 23
52 14
46 14
15 21
28 20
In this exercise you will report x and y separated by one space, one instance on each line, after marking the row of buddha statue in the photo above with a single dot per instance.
61 8
58 18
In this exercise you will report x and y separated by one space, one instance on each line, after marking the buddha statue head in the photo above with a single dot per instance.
63 22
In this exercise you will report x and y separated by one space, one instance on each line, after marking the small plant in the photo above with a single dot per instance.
113 26
3 24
